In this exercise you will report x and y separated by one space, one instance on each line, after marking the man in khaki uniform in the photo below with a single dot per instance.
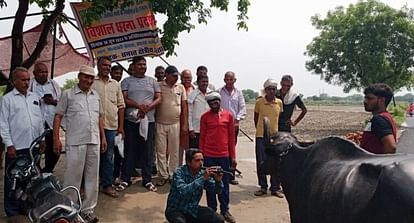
113 106
85 138
172 109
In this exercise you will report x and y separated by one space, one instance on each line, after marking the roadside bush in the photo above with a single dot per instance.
2 89
398 112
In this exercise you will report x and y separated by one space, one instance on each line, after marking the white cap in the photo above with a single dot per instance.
88 70
213 96
270 83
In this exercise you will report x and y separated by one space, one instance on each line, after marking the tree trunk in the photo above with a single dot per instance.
17 36
17 39
47 25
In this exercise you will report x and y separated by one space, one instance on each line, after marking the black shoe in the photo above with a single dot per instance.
228 217
234 182
162 182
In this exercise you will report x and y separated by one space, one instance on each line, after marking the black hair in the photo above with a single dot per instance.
189 154
287 77
159 67
201 77
202 67
380 90
138 58
116 67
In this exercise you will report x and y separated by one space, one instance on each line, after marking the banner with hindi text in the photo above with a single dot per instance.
122 33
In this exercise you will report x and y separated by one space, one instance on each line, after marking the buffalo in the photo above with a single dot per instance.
336 181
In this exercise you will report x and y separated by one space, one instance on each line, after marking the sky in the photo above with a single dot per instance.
274 45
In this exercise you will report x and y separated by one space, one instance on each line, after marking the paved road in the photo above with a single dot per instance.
136 204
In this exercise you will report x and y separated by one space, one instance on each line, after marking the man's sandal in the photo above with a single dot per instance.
150 187
260 192
110 192
162 182
122 186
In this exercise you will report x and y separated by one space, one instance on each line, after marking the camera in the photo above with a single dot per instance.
217 170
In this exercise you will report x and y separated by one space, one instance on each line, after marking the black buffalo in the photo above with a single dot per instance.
335 181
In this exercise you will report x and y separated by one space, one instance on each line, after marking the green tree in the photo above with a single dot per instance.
2 89
178 14
368 42
69 83
250 95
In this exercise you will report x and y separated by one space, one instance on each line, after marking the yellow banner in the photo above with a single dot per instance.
122 33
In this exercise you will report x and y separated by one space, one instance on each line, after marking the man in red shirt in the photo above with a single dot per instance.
380 134
218 144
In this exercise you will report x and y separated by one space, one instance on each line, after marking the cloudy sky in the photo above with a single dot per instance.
274 44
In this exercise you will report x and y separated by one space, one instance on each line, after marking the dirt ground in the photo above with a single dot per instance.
136 204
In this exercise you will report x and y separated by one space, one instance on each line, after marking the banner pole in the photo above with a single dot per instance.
52 65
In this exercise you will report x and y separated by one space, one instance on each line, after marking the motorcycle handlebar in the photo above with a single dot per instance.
36 142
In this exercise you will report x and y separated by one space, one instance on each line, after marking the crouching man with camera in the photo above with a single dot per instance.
187 188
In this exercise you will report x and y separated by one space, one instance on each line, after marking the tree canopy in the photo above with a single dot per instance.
368 42
178 13
250 95
69 83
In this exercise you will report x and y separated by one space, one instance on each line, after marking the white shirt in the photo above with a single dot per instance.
21 119
197 105
233 102
50 87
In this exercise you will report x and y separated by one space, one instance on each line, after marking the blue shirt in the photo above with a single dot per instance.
186 191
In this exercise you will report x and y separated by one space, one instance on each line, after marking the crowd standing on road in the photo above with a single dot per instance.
159 119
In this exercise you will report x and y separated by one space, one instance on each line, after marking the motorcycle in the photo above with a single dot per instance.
42 192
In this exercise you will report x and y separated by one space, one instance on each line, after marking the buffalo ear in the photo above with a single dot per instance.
266 132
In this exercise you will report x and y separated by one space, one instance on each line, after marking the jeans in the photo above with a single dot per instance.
136 146
106 167
12 206
194 141
224 197
118 160
262 178
205 215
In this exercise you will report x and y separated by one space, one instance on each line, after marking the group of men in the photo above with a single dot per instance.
159 120
139 109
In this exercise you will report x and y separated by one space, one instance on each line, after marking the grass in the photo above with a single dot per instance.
398 112
2 90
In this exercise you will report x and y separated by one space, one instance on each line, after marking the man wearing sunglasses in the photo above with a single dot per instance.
186 191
